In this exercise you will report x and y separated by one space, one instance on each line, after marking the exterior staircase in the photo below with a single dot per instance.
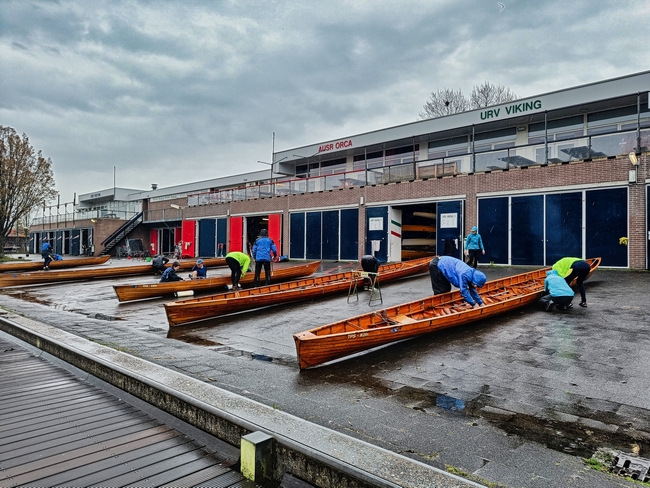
111 241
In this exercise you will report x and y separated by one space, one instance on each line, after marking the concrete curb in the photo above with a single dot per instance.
313 453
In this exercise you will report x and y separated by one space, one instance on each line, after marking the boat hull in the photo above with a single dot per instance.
53 276
63 264
341 339
204 308
127 293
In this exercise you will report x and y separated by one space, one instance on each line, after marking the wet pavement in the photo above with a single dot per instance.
487 399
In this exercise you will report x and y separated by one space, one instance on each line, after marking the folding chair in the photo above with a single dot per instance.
373 286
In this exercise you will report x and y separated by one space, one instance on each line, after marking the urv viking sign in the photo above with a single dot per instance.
515 108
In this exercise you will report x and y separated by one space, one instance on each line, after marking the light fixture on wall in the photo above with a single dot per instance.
633 158
93 220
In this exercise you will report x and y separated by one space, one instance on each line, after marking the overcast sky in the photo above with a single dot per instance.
172 92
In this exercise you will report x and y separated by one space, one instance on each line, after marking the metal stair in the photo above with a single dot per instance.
111 241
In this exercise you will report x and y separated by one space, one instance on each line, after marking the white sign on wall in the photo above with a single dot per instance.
376 223
448 220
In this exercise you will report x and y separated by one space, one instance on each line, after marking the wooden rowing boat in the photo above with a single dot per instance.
429 229
203 308
53 276
63 264
363 332
127 293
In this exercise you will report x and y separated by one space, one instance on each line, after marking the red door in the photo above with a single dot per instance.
188 233
275 230
153 241
236 234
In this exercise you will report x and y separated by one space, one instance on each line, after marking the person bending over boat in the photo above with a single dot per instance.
199 270
262 250
170 273
447 270
158 263
238 262
574 268
559 292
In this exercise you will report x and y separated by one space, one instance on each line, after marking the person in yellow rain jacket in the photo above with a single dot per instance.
574 268
238 262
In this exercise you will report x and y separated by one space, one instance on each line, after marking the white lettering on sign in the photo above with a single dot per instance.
448 221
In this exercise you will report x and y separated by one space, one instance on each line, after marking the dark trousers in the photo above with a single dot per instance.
258 271
158 269
560 302
235 271
439 283
472 257
579 272
47 259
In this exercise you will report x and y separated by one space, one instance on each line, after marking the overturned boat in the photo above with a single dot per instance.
204 308
127 293
339 339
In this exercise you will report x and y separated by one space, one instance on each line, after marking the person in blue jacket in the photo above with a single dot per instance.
199 270
473 246
262 250
559 293
170 273
447 270
46 252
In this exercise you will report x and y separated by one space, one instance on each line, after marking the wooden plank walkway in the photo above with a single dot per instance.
57 430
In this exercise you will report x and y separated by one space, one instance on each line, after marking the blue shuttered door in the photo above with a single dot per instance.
563 226
527 224
58 243
313 234
207 235
350 234
297 236
377 230
330 247
449 224
75 242
493 227
606 221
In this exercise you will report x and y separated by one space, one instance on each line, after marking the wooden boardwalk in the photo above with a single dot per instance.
57 430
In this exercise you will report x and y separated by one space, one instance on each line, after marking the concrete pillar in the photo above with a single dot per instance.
257 456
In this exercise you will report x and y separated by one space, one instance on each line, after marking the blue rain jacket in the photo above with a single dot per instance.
262 249
556 285
462 276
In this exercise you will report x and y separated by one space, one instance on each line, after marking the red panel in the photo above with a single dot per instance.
236 234
189 238
275 230
153 241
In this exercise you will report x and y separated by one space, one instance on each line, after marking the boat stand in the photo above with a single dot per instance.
375 289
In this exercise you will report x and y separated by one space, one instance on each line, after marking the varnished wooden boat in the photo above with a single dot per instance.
418 228
53 276
63 264
203 308
363 332
127 293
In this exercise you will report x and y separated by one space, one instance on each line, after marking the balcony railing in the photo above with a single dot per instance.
588 147
68 218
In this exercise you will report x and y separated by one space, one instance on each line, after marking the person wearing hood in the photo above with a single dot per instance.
559 293
473 246
447 270
262 250
574 268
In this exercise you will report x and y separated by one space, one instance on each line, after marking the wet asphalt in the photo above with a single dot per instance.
517 400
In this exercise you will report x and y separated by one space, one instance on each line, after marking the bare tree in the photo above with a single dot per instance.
444 102
488 94
26 180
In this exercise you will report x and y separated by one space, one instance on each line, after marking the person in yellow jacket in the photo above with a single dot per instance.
238 262
574 268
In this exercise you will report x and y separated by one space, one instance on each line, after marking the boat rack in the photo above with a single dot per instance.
373 285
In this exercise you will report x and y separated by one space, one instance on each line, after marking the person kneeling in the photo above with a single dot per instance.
170 273
559 293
